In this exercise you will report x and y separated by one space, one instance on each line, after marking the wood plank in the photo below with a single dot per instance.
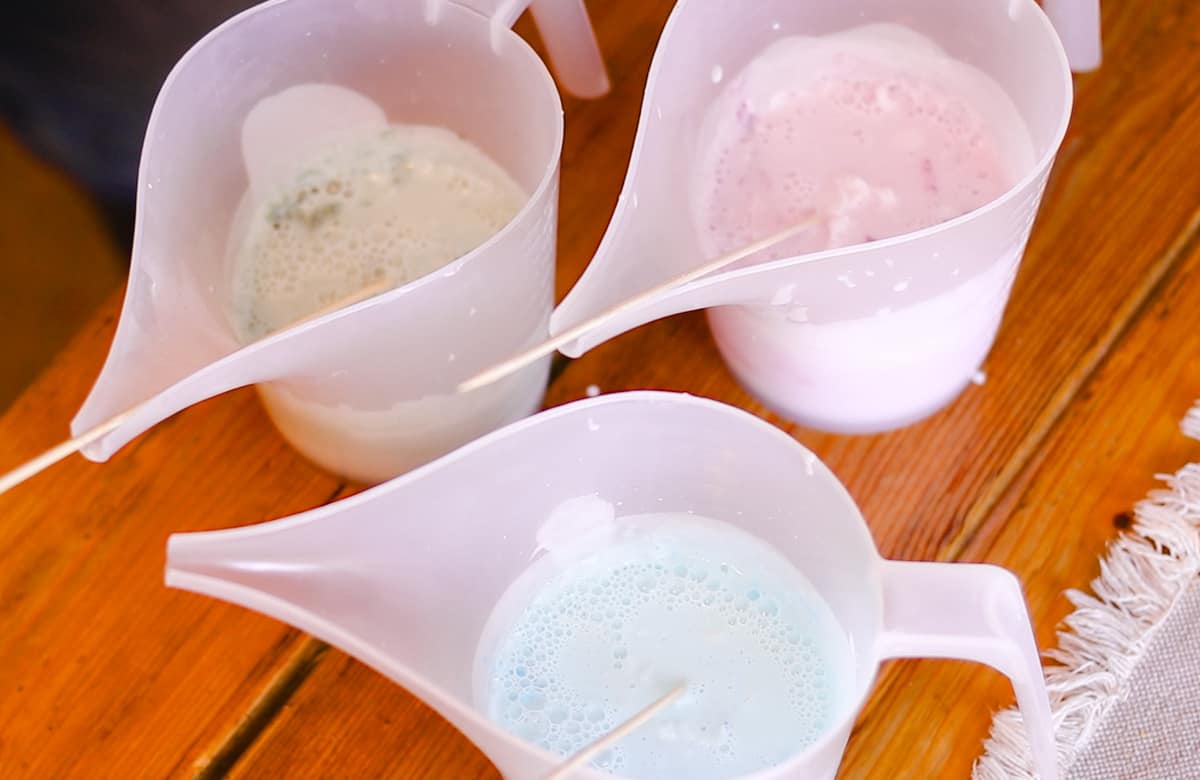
335 725
102 669
1098 255
59 264
1052 525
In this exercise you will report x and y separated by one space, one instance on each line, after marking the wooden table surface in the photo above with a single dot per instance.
105 672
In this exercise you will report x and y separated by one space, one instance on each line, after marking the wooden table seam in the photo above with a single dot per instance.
1056 411
225 751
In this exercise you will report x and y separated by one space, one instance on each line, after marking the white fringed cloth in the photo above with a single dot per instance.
1125 690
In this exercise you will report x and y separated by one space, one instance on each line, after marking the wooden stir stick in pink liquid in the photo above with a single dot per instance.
516 363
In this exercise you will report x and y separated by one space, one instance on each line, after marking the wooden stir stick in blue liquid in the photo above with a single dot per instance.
563 770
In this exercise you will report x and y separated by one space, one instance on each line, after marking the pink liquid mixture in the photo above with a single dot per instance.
875 130
878 133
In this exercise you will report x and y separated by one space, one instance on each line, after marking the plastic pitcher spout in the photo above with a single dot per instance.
364 574
223 566
316 584
266 569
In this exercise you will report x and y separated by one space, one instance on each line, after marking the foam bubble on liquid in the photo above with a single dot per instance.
395 205
672 597
576 525
874 129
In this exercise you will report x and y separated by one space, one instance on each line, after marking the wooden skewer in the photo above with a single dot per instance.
563 770
60 451
57 453
501 370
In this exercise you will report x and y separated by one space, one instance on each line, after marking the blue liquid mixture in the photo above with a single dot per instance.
669 599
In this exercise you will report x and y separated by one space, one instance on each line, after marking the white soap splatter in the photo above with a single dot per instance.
798 314
979 378
783 295
592 391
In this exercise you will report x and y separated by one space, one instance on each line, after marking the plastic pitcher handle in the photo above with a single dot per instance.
567 34
971 612
1078 26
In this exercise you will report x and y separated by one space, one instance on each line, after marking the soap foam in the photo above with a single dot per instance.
673 598
396 204
875 130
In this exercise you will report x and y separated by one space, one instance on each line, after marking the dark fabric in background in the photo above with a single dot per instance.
78 79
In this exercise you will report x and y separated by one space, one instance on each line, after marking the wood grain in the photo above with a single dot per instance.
104 669
59 264
1052 525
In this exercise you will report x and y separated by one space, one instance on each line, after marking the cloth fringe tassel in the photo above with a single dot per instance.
1142 576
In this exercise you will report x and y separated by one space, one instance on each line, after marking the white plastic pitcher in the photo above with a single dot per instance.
366 391
862 338
404 576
